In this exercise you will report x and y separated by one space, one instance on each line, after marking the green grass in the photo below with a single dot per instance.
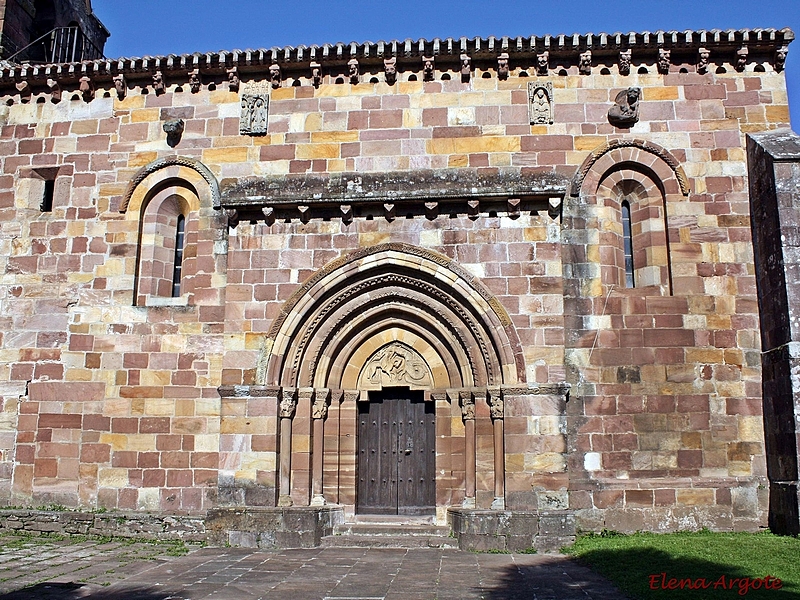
635 563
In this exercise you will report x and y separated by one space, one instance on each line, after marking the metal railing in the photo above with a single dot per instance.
61 45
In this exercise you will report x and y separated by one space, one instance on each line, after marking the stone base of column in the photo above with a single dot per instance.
284 500
318 500
468 503
499 503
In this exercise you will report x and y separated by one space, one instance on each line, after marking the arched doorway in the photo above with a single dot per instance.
414 339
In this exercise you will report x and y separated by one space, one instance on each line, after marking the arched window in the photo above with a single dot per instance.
177 266
627 243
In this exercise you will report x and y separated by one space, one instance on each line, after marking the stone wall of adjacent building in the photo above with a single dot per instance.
110 400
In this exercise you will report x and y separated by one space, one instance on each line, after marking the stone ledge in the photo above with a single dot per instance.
272 527
511 531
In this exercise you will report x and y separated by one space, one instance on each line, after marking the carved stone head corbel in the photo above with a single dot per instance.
703 58
233 79
174 130
352 71
780 58
316 74
275 75
390 70
625 111
542 63
158 83
25 92
194 81
120 86
466 67
663 60
502 66
427 68
55 90
741 58
87 89
585 63
625 61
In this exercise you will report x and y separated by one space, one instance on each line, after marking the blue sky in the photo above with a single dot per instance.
154 27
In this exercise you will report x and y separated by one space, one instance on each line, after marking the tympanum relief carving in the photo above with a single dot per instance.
395 364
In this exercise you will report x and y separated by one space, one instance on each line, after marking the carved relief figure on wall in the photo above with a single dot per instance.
397 364
540 103
255 110
625 111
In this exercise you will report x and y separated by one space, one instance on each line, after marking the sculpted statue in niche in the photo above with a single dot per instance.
233 79
542 62
585 63
663 60
275 75
780 58
120 86
316 74
703 56
390 70
427 68
158 83
625 111
352 70
502 66
255 110
194 80
625 62
540 103
741 58
466 68
396 364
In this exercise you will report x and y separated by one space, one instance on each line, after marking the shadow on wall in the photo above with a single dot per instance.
76 591
641 574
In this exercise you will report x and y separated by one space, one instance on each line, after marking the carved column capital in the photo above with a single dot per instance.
467 401
495 400
319 407
288 403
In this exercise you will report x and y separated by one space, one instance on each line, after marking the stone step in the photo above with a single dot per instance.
388 541
390 533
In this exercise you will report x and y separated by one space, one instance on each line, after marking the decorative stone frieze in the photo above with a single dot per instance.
540 103
255 109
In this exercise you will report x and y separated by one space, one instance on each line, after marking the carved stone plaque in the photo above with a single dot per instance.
395 365
540 102
255 109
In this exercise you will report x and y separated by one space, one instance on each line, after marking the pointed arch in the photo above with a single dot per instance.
391 296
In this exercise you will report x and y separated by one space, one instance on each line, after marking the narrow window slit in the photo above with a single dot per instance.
176 270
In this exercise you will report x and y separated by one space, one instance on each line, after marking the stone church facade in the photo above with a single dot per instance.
454 278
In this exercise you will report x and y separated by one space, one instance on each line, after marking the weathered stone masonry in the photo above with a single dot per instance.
448 216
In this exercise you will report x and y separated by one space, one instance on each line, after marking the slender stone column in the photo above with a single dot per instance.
319 411
467 401
286 412
496 412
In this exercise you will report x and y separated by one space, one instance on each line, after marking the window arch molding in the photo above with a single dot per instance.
158 198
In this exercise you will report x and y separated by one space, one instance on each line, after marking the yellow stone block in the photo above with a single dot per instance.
140 159
546 462
112 478
223 97
286 93
158 406
84 127
313 122
695 497
334 136
410 87
458 160
117 441
588 142
777 114
129 102
312 151
371 238
225 155
538 129
144 115
332 91
467 145
660 93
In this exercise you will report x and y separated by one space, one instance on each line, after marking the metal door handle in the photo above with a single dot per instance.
409 445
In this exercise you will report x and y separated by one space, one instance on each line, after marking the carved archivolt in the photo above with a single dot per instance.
163 163
646 146
363 307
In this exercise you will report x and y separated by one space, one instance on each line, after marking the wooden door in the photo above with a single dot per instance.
396 454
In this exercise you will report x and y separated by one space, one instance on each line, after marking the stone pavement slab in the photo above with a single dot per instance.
37 569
